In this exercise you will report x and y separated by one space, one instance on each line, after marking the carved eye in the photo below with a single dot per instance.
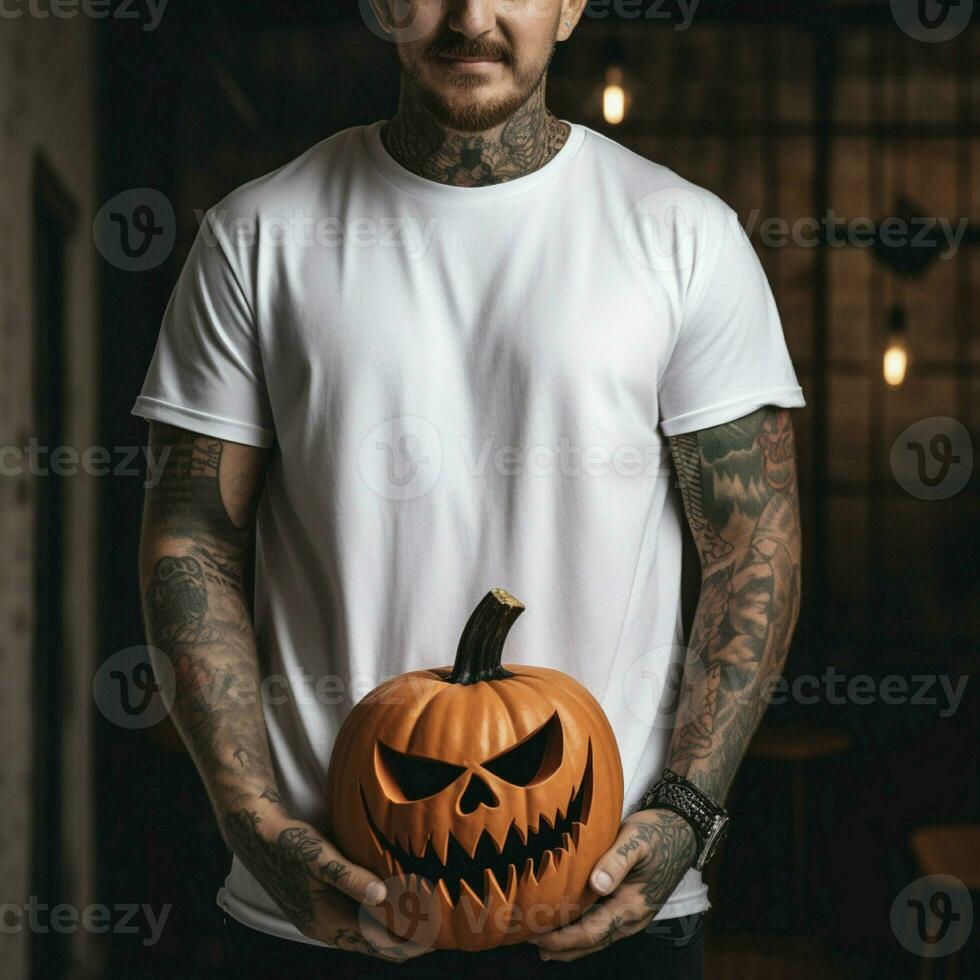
416 776
532 760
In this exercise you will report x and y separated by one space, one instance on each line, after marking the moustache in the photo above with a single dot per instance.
453 49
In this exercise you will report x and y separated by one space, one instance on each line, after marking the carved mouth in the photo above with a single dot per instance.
524 856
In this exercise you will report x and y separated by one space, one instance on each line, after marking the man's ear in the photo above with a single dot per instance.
571 14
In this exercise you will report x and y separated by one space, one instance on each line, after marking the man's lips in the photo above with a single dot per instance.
469 62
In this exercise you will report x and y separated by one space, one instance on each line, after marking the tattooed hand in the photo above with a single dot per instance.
637 875
314 885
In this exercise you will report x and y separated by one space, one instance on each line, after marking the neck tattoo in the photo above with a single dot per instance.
523 144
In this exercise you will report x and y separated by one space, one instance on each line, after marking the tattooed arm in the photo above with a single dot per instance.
196 525
738 485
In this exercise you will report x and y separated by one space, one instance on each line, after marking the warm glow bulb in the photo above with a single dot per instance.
614 96
895 364
614 104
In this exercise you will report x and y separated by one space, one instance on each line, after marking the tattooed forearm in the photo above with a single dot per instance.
272 796
195 535
738 486
287 864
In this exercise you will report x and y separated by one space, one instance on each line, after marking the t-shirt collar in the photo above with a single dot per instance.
412 183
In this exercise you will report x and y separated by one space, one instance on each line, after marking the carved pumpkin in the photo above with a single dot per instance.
481 794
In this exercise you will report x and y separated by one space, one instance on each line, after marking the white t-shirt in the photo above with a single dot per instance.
467 388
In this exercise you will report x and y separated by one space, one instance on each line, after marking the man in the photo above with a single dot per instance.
442 354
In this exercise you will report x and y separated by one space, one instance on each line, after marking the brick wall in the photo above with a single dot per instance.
47 104
732 107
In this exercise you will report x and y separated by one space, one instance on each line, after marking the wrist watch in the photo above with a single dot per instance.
708 821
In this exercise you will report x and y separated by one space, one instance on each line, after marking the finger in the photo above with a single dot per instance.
616 917
388 946
341 926
630 846
354 881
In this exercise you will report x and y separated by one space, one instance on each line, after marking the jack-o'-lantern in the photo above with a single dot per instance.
484 793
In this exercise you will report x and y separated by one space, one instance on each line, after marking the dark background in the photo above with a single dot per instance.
786 109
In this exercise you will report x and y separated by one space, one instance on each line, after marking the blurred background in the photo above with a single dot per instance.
847 137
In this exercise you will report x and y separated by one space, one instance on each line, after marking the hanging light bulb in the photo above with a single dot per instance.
614 97
615 91
895 363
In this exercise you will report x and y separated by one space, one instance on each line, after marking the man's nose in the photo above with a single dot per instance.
472 18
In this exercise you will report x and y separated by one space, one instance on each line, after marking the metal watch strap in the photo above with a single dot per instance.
705 818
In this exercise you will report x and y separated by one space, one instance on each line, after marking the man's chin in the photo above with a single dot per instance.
473 111
474 119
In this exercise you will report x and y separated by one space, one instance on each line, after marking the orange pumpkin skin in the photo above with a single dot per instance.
528 773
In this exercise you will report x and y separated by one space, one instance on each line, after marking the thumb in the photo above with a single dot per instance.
614 865
358 883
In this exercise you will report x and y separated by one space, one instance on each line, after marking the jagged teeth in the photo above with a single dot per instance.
439 842
491 889
499 846
465 889
547 864
472 849
510 889
443 891
527 873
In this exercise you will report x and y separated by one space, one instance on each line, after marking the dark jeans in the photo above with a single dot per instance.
674 950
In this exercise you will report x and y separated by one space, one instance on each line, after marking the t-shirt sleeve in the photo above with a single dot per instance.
206 374
730 357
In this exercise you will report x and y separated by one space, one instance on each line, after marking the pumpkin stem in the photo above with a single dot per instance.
482 642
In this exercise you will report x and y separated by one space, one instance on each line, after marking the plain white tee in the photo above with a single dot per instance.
466 388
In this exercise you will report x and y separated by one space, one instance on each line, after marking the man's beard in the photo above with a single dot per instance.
467 115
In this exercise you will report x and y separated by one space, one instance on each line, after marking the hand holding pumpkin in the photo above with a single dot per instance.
318 888
482 792
653 851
